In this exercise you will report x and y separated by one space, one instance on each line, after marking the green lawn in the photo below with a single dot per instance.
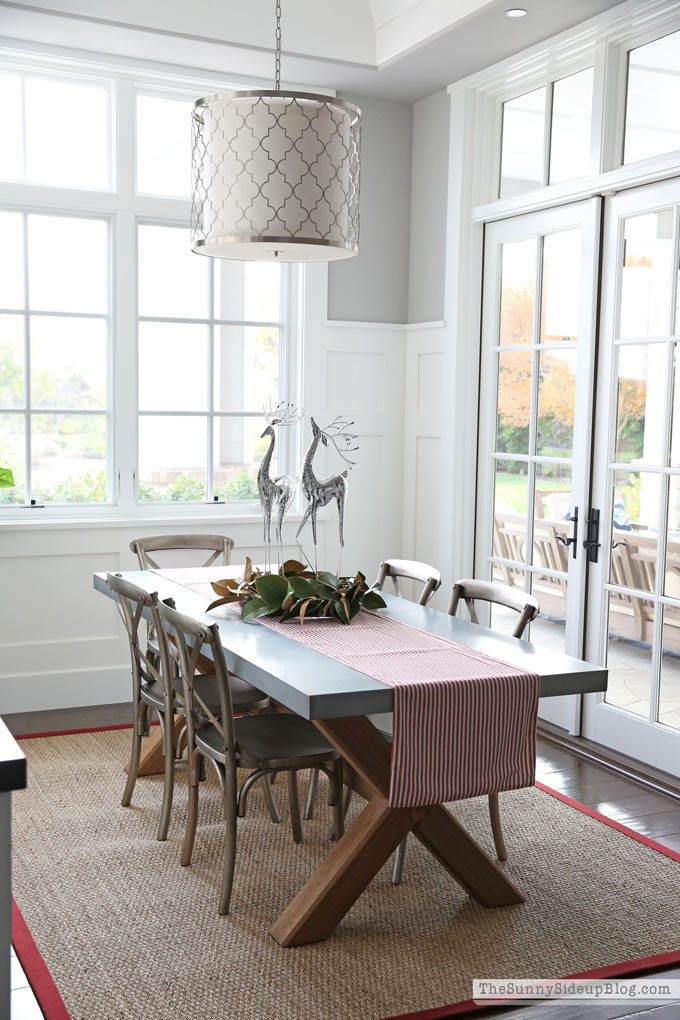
512 490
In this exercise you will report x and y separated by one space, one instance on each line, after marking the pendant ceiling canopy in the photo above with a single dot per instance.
275 175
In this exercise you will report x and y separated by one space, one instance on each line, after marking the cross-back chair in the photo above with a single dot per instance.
218 545
470 591
156 687
264 744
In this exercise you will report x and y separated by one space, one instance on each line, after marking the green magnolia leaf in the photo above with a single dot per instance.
340 612
255 608
372 600
354 608
330 579
272 589
6 478
302 587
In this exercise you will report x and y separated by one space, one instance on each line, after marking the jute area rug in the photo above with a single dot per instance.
129 934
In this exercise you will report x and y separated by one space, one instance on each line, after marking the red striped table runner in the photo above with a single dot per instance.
464 723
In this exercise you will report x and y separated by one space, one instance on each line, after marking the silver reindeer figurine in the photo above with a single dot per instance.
277 493
320 492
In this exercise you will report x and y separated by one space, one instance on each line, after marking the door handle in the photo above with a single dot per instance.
574 538
591 544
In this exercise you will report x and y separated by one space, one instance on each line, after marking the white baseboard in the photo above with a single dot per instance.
36 692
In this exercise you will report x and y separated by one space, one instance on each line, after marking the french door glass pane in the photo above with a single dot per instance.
173 456
11 150
672 579
518 287
552 510
522 144
669 694
163 146
653 99
646 277
173 281
641 392
246 367
556 396
675 414
11 361
11 259
634 529
514 401
549 628
511 503
12 456
238 448
68 134
68 458
561 285
629 653
173 366
247 290
570 135
67 264
68 362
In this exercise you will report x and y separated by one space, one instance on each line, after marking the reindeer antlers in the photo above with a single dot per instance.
282 414
337 433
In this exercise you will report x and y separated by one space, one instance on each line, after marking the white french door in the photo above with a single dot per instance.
537 369
634 588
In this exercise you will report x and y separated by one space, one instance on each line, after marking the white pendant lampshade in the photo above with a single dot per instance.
275 176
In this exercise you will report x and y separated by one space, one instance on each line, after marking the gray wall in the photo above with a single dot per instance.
429 185
374 287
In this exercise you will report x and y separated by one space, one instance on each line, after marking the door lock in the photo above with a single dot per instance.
574 538
591 544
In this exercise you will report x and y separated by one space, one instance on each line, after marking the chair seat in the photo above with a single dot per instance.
279 740
243 695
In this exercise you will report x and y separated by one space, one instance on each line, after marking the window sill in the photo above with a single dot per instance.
50 523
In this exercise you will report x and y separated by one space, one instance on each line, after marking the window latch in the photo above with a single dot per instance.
574 538
591 544
33 506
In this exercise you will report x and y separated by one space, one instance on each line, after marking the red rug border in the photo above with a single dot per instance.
35 969
52 1005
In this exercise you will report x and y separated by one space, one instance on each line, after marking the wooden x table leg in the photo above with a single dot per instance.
369 842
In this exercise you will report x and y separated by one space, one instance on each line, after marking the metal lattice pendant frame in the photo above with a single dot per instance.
275 176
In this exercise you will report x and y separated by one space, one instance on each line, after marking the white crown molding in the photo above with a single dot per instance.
394 326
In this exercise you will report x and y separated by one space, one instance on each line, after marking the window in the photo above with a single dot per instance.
653 100
56 131
209 354
100 273
54 352
532 157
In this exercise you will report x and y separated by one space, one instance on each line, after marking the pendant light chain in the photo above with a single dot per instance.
277 60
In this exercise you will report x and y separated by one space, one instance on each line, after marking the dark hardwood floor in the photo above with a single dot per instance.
643 809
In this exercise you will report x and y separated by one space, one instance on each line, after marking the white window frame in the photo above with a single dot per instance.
124 208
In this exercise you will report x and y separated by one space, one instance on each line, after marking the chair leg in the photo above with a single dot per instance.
496 828
294 803
168 727
192 810
133 769
398 863
268 794
311 793
229 840
338 803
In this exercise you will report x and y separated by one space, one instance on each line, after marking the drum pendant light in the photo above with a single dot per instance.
275 174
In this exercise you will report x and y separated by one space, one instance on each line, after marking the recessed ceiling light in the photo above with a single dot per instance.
515 12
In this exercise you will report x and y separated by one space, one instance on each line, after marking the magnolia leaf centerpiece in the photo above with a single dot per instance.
296 592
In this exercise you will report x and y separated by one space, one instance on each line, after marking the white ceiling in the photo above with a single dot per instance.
402 49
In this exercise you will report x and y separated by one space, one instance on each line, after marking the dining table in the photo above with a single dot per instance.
338 699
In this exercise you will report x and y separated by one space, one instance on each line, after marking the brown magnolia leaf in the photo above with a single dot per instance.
288 603
224 587
303 609
222 602
293 567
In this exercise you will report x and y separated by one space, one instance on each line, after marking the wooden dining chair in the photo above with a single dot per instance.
156 688
218 545
471 591
265 744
